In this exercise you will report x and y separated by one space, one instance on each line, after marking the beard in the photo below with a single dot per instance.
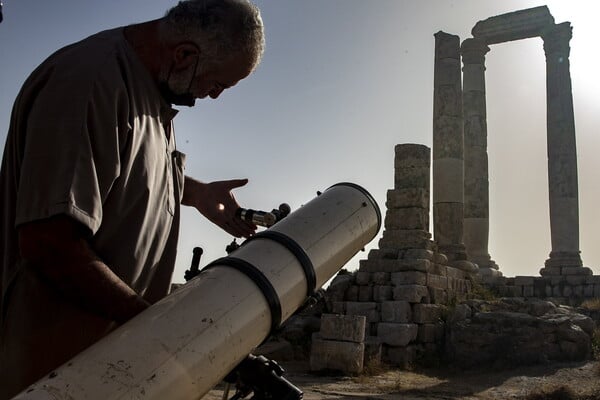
175 87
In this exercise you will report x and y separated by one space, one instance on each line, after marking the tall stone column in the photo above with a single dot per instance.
448 191
562 156
476 183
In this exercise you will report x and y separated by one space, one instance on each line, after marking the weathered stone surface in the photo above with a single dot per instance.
437 296
407 218
365 293
336 355
437 281
392 266
363 278
411 293
381 278
515 25
402 357
412 155
367 309
430 333
348 328
509 332
408 197
421 254
396 311
396 334
427 313
382 293
409 278
414 177
373 350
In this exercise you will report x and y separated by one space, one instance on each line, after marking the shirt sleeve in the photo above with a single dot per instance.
76 125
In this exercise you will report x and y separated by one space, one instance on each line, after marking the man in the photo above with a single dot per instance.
91 179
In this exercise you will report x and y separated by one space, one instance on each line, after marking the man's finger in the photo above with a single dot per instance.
235 183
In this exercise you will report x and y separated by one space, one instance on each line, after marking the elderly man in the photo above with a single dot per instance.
92 182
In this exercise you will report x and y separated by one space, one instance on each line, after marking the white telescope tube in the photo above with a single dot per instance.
184 345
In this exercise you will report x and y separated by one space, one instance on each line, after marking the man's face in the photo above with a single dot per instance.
211 79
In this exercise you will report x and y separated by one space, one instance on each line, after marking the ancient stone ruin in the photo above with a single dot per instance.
413 296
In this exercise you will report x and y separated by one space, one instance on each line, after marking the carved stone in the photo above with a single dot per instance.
516 25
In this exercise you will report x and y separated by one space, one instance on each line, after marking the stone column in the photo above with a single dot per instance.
476 196
448 191
562 156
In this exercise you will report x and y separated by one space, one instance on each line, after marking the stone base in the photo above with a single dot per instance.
565 270
564 259
484 261
454 252
488 275
465 265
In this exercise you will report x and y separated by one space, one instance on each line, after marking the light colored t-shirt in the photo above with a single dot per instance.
90 137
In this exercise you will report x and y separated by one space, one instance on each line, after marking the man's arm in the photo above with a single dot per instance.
215 201
57 248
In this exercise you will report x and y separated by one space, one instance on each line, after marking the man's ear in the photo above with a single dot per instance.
185 54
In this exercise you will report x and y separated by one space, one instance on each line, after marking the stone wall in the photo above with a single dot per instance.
563 289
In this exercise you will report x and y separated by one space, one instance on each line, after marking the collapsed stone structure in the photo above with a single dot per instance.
403 288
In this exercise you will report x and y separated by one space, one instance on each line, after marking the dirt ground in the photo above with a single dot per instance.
565 381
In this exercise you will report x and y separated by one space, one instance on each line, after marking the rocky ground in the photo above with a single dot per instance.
560 381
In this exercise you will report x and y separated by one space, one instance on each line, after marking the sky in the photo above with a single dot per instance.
341 83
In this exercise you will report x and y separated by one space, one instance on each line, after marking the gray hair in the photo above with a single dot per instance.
221 28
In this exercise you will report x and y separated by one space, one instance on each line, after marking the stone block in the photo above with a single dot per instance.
351 293
402 357
578 290
510 291
412 155
373 350
550 271
528 291
455 273
382 293
365 293
389 254
347 328
415 243
411 293
390 266
409 278
363 278
436 281
438 296
336 355
411 177
440 258
407 218
427 313
338 307
396 311
418 254
575 279
523 280
597 290
381 278
592 279
408 197
367 309
576 271
396 334
430 333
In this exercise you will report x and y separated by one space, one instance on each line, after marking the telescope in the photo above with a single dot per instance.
185 344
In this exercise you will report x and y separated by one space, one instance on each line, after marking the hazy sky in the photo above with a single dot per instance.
341 83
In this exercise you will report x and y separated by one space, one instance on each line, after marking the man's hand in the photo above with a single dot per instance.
216 202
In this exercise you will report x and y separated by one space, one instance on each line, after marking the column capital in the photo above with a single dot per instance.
556 39
473 51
